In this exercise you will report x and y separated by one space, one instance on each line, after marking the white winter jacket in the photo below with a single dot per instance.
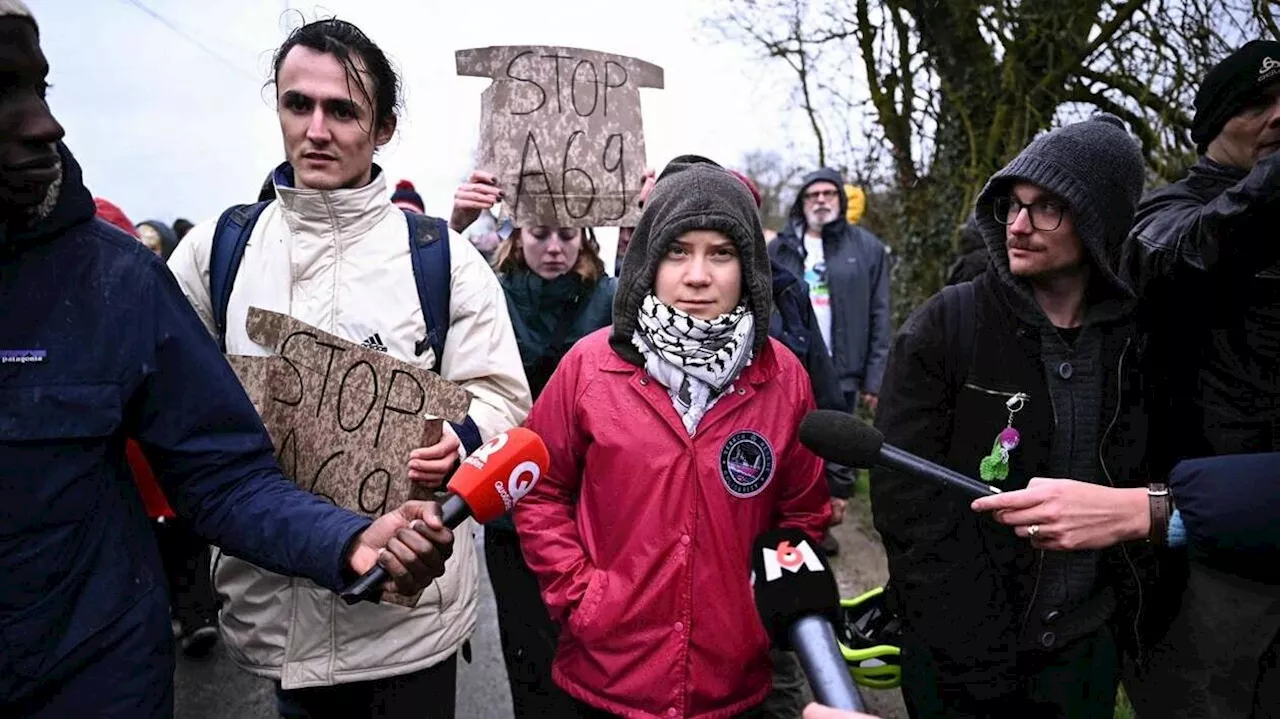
339 260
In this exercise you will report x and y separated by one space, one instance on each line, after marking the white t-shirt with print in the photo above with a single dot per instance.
815 274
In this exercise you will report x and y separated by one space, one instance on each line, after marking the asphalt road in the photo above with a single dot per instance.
215 688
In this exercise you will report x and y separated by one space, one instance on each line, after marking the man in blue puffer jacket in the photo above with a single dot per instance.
97 344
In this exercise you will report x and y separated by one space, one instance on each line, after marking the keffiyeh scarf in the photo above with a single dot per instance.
695 359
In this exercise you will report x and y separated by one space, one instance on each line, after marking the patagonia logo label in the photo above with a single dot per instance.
21 356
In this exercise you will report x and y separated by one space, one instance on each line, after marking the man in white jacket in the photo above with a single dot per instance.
331 250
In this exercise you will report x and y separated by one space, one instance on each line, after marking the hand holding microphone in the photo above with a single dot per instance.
798 601
410 542
487 485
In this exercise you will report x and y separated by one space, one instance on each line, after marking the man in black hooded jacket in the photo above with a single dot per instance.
847 271
1025 377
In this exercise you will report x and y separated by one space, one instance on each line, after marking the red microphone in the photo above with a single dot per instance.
486 486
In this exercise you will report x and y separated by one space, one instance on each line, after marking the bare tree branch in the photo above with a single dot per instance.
1105 35
954 88
1262 8
897 129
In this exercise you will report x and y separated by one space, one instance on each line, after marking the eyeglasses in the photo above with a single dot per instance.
1046 214
821 195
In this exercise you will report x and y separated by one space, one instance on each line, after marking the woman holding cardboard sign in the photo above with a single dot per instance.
557 292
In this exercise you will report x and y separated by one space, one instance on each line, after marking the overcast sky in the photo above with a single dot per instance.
170 118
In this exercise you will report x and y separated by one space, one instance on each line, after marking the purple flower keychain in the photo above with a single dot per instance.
1008 439
995 466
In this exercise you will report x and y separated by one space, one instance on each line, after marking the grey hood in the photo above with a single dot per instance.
1097 167
795 218
692 193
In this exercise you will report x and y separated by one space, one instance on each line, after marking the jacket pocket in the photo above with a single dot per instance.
59 434
50 413
61 511
1007 394
581 620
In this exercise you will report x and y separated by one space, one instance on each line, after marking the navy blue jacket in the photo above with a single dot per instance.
794 324
1230 507
857 266
98 344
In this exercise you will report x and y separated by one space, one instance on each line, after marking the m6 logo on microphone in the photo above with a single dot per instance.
791 558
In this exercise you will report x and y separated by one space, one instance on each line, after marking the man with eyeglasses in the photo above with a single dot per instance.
847 270
1206 263
1020 604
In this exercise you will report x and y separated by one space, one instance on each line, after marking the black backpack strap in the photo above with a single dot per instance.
230 237
959 305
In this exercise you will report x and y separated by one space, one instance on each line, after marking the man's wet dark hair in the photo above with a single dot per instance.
353 49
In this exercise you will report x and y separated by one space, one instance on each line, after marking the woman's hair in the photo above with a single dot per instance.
353 49
589 267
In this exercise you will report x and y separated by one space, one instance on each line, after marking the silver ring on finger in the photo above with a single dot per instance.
1033 530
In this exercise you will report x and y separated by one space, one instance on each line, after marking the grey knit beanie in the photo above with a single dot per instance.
692 193
1097 167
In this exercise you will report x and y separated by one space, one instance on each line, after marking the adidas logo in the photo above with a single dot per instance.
374 343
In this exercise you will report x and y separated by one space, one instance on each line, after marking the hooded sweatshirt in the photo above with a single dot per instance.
1101 190
677 206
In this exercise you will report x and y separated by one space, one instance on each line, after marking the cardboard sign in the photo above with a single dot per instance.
561 129
344 418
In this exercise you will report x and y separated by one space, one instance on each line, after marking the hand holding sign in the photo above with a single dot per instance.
479 193
562 131
430 465
345 418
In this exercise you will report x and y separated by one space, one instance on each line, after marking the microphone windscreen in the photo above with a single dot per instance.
500 472
839 437
791 579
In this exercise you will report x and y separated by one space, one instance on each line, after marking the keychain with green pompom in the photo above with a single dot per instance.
995 466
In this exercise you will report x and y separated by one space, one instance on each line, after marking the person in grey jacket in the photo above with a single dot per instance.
847 270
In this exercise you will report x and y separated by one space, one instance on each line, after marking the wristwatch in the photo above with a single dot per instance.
1161 508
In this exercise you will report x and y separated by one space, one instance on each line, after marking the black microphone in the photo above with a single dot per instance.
453 512
798 602
838 437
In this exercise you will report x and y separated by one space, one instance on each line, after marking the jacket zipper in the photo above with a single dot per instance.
1035 589
997 393
1102 462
